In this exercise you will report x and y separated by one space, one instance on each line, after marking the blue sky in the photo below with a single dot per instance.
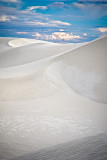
58 21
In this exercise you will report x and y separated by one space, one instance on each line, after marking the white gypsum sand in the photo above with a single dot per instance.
50 94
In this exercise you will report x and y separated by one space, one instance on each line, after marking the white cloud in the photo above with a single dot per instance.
92 1
21 32
79 5
13 1
92 10
102 29
57 36
58 4
5 18
37 7
39 23
55 4
60 23
61 30
13 17
49 23
84 34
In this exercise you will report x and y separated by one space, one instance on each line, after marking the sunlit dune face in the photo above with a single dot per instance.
22 42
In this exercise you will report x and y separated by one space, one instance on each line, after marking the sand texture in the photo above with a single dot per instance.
53 100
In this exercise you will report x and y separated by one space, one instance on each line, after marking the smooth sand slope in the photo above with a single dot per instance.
23 42
51 94
85 70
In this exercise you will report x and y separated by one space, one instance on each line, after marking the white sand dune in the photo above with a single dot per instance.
85 70
23 41
50 93
25 60
32 52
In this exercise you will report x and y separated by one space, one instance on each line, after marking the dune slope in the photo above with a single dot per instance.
52 94
28 52
85 71
95 148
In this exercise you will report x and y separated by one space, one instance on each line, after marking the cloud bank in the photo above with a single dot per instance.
102 29
57 36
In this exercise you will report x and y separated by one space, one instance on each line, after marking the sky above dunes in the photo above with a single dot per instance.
58 21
